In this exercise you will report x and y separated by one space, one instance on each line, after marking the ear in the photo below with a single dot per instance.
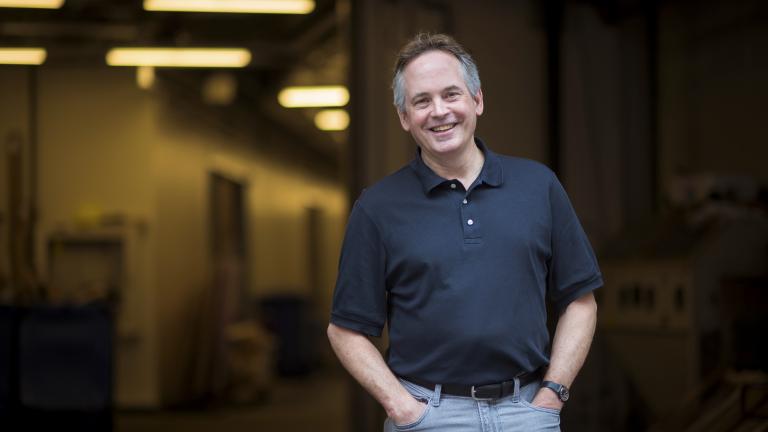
479 102
404 120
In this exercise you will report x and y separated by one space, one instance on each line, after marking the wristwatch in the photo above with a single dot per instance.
561 390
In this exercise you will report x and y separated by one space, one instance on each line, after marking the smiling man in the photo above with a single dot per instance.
457 253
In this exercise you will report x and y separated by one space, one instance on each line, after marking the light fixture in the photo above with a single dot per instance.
232 6
32 4
22 56
332 120
314 96
179 57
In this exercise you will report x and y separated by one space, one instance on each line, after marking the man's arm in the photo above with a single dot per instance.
364 362
572 339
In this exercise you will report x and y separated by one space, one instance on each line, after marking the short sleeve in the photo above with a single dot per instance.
573 268
359 299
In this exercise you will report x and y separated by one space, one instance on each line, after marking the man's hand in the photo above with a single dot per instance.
408 412
546 398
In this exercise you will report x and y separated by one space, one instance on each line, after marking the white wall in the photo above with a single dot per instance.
108 148
95 141
277 195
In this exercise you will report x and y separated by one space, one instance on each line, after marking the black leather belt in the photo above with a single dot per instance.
487 391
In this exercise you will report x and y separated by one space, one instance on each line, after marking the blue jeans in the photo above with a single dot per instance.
448 413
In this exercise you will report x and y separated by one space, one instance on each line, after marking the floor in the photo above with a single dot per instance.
315 403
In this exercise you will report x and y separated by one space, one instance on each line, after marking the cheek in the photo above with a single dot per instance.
418 121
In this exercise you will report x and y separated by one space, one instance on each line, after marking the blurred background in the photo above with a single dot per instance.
170 221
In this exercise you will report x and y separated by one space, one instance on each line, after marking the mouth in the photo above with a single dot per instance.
443 128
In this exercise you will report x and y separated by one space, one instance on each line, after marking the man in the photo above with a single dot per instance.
457 252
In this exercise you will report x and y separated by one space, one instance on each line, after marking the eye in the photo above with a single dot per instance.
421 103
452 95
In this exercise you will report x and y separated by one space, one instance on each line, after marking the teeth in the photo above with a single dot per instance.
442 128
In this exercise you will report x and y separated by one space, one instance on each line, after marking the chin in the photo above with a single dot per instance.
448 146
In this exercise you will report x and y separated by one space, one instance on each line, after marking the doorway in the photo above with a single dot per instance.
225 302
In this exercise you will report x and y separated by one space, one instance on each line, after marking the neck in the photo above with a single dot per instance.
464 167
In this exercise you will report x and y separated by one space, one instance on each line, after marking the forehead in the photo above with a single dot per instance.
433 70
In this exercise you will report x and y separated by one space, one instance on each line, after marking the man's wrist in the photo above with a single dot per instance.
560 390
398 404
547 399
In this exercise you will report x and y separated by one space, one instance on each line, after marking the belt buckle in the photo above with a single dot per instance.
473 390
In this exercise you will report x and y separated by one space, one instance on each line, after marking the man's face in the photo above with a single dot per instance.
440 113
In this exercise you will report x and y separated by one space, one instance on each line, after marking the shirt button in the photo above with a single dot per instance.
470 222
453 185
465 201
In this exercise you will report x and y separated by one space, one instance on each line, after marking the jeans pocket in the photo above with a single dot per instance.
420 394
418 421
551 411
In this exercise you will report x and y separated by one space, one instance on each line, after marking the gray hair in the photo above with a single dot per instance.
423 43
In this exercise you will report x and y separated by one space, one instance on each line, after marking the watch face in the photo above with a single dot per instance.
564 394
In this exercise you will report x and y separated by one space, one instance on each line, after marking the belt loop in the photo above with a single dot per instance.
436 396
516 394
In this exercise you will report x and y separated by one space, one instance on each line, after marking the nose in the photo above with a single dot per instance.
441 108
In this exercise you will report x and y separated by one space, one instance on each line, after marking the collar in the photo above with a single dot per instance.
491 174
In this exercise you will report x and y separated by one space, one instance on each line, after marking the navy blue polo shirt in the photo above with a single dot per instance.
461 276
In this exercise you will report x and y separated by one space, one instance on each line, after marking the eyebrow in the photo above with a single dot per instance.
422 94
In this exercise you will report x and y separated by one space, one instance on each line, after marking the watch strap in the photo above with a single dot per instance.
560 390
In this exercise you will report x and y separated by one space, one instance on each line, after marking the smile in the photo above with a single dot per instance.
443 128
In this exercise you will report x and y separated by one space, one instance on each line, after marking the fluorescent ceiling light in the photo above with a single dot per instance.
332 120
22 56
318 96
32 4
179 57
233 6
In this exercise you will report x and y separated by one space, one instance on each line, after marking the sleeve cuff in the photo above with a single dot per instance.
360 327
591 285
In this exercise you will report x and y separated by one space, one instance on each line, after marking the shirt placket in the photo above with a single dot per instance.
470 224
